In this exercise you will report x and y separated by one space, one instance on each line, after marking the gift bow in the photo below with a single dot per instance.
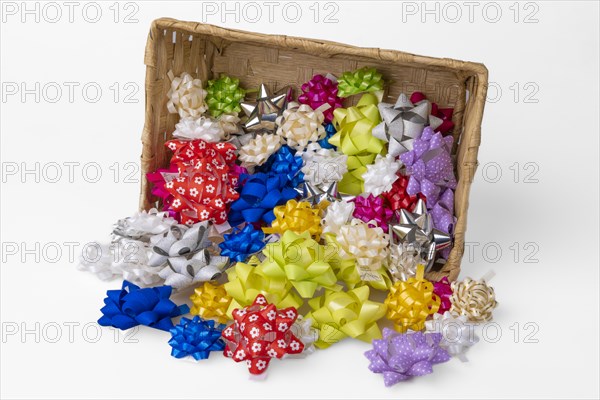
401 356
224 96
300 260
362 80
240 244
341 314
354 138
318 91
245 283
297 217
131 306
210 302
430 166
195 337
440 119
284 162
259 333
372 209
410 302
186 96
300 125
347 271
259 194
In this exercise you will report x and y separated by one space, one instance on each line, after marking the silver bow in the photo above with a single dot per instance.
417 242
402 123
263 113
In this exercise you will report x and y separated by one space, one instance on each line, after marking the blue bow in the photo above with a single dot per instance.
196 337
132 306
259 194
324 143
285 162
239 244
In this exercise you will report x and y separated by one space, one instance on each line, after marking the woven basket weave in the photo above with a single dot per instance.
206 51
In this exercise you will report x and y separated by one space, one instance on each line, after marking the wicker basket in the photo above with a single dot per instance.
206 51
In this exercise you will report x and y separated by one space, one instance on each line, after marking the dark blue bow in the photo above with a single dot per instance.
132 306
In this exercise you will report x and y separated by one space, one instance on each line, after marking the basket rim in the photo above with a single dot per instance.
322 48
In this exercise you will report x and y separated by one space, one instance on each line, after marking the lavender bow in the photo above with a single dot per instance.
401 356
430 166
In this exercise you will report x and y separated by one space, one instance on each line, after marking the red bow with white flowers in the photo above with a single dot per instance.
259 333
206 182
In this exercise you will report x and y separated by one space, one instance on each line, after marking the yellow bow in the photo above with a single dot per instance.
297 217
410 302
210 302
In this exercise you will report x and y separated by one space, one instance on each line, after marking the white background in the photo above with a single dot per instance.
542 114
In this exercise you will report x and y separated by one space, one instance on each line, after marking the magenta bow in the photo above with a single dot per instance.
372 208
318 91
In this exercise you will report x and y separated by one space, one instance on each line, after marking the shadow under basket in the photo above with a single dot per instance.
206 51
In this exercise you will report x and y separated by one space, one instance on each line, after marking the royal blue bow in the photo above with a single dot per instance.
239 244
132 306
284 162
259 194
324 143
196 337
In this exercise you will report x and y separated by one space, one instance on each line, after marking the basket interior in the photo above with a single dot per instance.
256 59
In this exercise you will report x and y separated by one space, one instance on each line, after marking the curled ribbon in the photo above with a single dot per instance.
372 209
210 302
240 244
474 299
362 80
131 306
410 302
259 333
195 337
297 217
186 96
300 125
338 315
354 138
300 260
245 283
318 91
224 96
259 194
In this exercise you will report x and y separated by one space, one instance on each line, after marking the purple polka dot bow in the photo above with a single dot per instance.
430 166
400 356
